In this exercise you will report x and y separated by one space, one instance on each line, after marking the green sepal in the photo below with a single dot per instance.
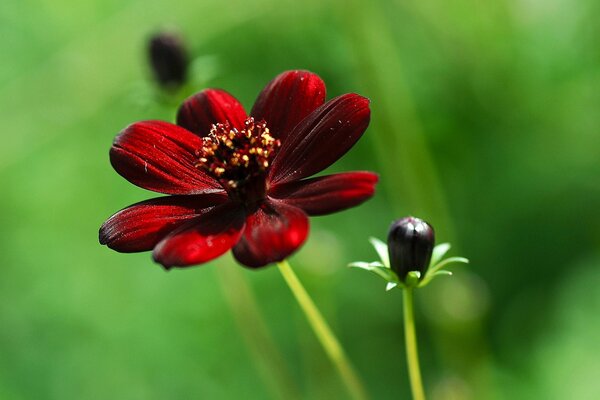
382 250
365 265
439 252
376 267
412 279
436 270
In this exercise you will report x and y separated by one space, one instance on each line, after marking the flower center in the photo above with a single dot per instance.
235 157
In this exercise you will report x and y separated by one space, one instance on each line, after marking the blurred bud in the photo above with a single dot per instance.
410 244
168 60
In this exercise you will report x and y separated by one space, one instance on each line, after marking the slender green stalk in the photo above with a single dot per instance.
412 354
332 346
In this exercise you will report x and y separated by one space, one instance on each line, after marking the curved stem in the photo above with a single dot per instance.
412 354
332 346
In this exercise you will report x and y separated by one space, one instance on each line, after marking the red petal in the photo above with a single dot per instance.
327 194
159 156
211 106
202 240
321 138
272 233
141 226
287 100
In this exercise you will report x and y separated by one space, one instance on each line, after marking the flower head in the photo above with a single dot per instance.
238 181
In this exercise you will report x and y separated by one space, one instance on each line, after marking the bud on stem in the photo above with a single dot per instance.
410 244
168 60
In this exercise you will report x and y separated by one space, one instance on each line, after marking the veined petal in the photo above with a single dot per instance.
321 138
141 226
159 156
199 112
202 239
327 194
272 233
287 100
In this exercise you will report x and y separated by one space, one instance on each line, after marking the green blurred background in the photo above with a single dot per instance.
485 122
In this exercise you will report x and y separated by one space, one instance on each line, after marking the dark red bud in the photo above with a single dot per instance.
168 60
410 244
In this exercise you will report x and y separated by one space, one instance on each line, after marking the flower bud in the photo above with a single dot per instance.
168 60
410 244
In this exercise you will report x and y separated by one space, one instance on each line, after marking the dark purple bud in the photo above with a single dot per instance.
410 244
168 60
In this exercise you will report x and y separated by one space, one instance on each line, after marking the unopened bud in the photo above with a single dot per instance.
168 60
410 244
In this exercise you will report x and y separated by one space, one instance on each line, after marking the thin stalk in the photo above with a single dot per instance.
412 354
330 343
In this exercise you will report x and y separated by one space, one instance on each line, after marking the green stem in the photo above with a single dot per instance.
412 354
332 346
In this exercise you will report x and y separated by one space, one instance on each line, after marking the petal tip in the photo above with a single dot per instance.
166 264
373 175
272 234
210 106
102 236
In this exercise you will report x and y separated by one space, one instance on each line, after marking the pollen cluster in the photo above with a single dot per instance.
233 156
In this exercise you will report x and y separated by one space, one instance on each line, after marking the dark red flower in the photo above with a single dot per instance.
238 182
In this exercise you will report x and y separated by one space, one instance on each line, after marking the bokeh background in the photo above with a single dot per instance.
485 122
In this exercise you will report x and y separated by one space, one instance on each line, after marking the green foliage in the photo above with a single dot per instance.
484 122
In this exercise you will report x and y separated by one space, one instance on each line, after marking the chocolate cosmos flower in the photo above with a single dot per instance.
238 182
